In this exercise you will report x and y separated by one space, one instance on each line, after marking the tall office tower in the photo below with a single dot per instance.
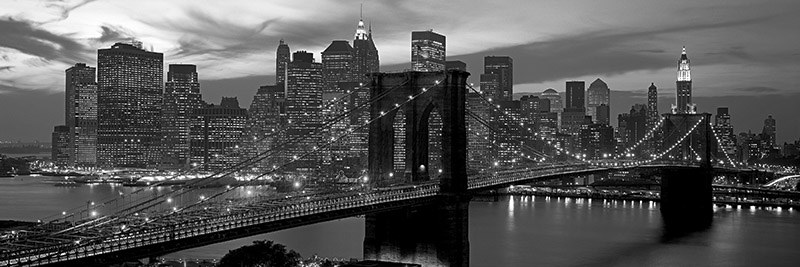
503 67
427 51
337 65
81 115
652 106
266 122
724 130
181 97
632 127
598 94
575 95
303 107
60 145
555 100
597 141
365 55
479 146
509 136
281 62
769 131
490 84
603 114
216 131
130 84
683 101
455 65
530 109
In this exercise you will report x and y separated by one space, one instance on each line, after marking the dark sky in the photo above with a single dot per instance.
744 53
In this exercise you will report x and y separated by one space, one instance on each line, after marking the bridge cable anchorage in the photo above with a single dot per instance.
315 150
648 135
218 175
497 108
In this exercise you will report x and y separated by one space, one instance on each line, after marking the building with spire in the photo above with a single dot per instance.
282 60
428 51
683 100
598 94
365 54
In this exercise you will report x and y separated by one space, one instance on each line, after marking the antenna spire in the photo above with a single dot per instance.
361 13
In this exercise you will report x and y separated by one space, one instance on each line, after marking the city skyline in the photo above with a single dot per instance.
705 62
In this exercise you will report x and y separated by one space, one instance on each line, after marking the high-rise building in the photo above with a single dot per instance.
490 84
130 84
683 101
598 94
365 54
455 65
81 115
632 127
282 60
60 145
181 97
304 88
337 65
479 147
555 100
503 67
724 131
427 51
597 141
216 131
652 106
509 136
266 123
769 131
576 91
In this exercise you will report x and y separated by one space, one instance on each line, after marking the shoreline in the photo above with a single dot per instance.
718 203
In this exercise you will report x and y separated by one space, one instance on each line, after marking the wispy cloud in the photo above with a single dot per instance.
29 39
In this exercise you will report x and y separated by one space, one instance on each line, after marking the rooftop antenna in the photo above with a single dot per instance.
361 13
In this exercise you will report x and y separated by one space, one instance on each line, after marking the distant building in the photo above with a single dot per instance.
455 65
428 51
598 94
575 96
60 148
81 115
266 123
490 85
282 59
216 131
652 106
724 131
480 151
555 100
603 114
509 136
769 131
130 84
337 65
365 54
597 141
181 97
683 100
303 108
632 128
503 68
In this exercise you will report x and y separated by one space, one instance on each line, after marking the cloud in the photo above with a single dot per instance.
733 52
65 7
6 68
24 37
112 34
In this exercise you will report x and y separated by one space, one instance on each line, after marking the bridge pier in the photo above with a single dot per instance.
433 235
686 200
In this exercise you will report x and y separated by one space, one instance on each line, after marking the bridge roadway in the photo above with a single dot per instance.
119 239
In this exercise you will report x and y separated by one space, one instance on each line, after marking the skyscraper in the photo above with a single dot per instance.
555 100
337 61
60 145
81 115
652 106
503 67
181 97
575 95
365 55
303 107
598 94
215 132
769 131
281 61
683 101
129 98
724 130
428 50
266 120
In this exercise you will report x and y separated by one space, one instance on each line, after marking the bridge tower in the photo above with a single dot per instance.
686 193
431 235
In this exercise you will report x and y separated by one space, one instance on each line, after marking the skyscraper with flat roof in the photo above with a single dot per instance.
304 88
130 84
503 67
81 115
215 133
428 51
337 65
576 91
181 97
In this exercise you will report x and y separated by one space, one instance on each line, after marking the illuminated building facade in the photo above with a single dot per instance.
598 94
683 101
60 145
303 108
81 115
129 99
428 50
365 54
216 131
337 66
181 97
282 59
503 68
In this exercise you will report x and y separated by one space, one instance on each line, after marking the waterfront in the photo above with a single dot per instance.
514 231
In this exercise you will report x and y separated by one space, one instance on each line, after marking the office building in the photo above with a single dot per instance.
597 141
455 65
130 84
266 124
216 131
724 131
509 133
652 106
282 59
427 51
480 151
304 86
181 97
365 54
598 94
555 100
503 68
769 131
683 101
81 115
576 91
59 153
337 65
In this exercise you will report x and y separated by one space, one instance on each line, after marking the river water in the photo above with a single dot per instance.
514 231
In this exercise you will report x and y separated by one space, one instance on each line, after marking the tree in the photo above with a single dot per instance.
261 253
